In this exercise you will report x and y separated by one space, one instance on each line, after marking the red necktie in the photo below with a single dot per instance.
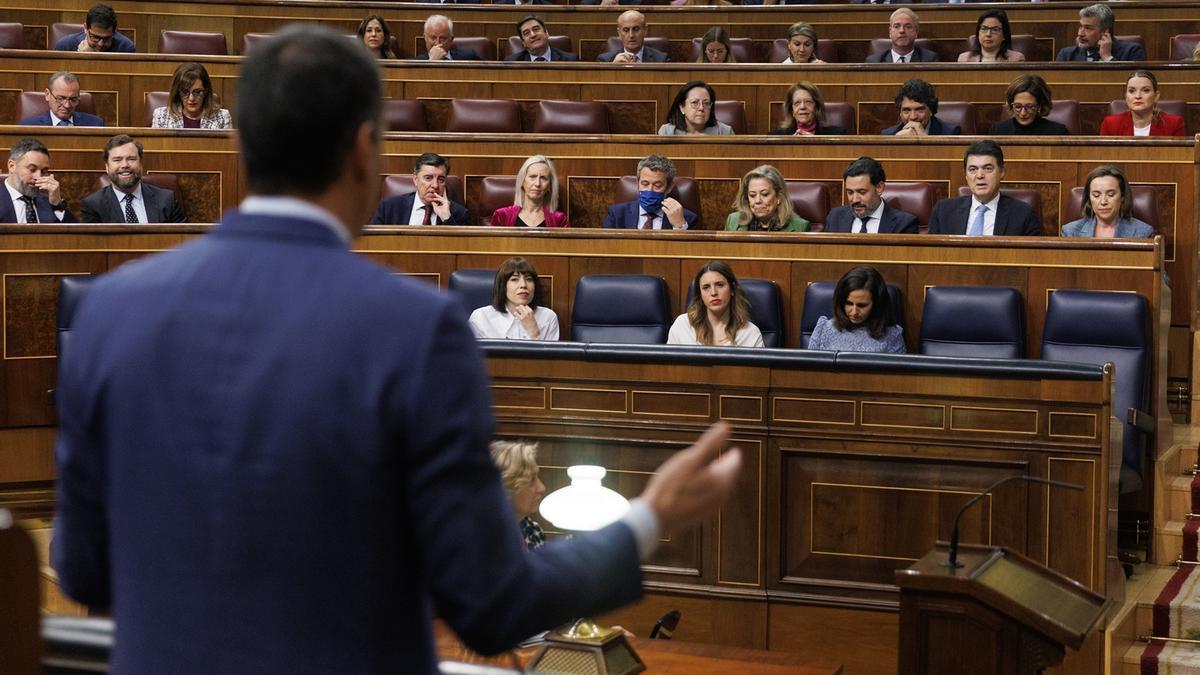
649 223
428 209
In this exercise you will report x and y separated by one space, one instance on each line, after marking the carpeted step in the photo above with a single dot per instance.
1177 607
1174 658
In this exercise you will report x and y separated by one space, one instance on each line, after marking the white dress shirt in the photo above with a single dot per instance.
907 57
873 220
989 218
19 205
139 204
417 215
487 323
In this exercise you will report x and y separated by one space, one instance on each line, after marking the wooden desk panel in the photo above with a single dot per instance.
1155 22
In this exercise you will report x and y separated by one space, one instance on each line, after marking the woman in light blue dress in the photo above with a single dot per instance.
1107 208
863 319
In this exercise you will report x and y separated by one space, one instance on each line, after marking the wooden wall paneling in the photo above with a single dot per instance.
862 640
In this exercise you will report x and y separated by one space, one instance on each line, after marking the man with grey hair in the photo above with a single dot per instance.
439 42
653 209
904 27
62 97
32 191
1095 41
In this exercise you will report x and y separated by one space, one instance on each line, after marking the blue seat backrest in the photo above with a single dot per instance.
1102 326
976 321
818 302
70 292
766 308
620 308
474 287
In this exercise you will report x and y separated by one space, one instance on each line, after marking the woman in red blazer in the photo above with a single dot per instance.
535 203
1143 118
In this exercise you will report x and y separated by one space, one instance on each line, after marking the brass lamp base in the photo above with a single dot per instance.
583 648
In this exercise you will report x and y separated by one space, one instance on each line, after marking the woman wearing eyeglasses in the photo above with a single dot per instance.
694 112
993 40
1029 102
191 104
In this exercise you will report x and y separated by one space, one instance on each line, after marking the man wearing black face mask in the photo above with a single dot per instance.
653 209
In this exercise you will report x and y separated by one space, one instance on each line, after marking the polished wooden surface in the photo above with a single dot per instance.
665 657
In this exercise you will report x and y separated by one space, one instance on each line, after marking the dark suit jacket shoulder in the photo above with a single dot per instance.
649 55
891 221
1013 217
196 405
80 119
41 204
1039 127
101 206
456 54
396 210
556 54
625 216
1121 51
918 55
936 128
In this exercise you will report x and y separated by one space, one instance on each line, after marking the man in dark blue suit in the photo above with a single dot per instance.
439 42
865 210
31 193
428 203
99 34
62 98
532 31
127 198
631 29
653 209
917 102
1094 39
903 30
273 453
986 211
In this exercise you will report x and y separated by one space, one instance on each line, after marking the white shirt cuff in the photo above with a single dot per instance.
643 522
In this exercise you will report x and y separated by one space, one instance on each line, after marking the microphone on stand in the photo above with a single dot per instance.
952 560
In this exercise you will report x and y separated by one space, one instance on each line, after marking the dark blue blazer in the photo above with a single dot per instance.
1121 51
936 128
556 54
121 44
625 215
396 210
891 221
266 465
1013 217
649 54
102 207
456 54
40 204
80 119
918 55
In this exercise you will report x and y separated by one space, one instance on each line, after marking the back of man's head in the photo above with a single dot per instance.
302 97
101 16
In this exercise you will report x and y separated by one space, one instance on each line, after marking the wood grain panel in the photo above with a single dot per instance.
589 400
993 420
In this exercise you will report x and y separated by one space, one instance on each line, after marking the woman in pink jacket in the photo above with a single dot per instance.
535 203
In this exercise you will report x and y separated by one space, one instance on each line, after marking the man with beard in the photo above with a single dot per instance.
33 194
127 199
865 210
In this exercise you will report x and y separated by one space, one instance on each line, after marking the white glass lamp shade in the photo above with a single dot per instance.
585 504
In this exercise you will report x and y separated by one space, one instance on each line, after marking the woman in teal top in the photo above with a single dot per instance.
762 204
1107 208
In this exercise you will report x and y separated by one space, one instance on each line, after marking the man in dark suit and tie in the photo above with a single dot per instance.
631 29
985 211
428 203
865 210
1094 39
532 31
653 209
917 103
273 452
62 98
439 42
127 198
903 30
31 194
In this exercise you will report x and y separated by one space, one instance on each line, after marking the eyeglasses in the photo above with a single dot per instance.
99 39
699 105
991 29
195 93
66 100
1023 107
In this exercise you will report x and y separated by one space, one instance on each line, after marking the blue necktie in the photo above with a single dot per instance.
976 228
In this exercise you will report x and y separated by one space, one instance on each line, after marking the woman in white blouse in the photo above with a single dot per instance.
516 312
718 313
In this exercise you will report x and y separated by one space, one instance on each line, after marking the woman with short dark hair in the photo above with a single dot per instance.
993 40
516 312
863 318
1029 102
694 113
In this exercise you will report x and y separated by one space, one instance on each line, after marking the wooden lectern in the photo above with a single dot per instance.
999 613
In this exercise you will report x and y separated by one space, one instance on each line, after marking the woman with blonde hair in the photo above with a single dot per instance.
762 204
517 462
802 44
718 313
535 202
